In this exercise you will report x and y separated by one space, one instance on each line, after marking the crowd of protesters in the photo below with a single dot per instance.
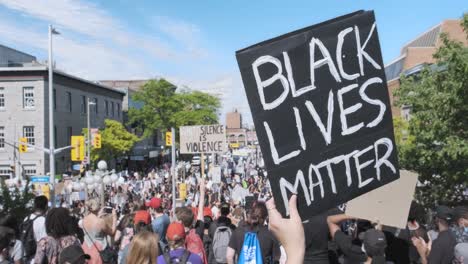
231 221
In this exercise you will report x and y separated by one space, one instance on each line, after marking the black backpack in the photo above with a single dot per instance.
182 260
27 237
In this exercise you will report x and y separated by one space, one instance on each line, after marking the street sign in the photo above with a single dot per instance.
202 139
40 179
168 139
23 147
78 148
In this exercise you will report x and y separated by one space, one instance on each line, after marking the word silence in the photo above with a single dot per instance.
202 139
320 105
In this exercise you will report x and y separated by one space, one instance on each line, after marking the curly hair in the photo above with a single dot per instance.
59 223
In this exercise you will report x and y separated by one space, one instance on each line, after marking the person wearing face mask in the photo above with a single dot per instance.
442 250
461 224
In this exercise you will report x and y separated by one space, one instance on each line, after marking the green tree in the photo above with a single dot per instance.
116 141
17 202
197 108
163 108
438 149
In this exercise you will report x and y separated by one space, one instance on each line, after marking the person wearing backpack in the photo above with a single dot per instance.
60 235
220 232
33 228
252 242
178 253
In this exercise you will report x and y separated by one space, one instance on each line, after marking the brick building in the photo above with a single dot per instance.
416 54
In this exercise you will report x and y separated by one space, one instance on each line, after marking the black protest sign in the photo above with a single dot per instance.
321 109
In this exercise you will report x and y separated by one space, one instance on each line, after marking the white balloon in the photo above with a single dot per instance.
121 180
102 165
89 180
97 179
82 186
114 177
106 180
90 187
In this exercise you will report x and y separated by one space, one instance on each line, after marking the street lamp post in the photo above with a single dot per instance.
51 120
88 146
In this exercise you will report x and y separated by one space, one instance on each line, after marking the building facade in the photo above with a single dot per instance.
418 53
24 112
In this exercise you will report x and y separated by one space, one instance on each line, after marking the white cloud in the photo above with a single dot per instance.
96 45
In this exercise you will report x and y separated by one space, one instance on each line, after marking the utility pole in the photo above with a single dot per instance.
173 169
88 146
51 120
51 123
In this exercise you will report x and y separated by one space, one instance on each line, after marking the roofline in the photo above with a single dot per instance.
22 52
45 68
421 34
395 60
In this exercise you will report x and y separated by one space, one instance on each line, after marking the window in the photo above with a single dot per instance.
5 171
69 101
28 98
69 135
112 108
2 98
2 138
83 104
55 99
107 108
29 170
96 109
118 110
28 133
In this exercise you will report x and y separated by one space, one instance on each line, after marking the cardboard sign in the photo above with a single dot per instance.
182 191
320 105
389 204
215 174
202 139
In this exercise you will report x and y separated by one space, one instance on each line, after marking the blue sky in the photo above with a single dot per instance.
191 43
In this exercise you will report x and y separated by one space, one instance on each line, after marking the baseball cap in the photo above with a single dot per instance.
374 242
73 254
444 212
175 231
142 216
155 203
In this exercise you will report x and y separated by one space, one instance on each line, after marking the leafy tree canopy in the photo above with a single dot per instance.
115 141
438 128
163 108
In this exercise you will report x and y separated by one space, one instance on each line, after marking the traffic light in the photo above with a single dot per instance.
168 138
23 146
78 148
97 141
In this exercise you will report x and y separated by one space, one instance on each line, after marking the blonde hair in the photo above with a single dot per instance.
93 206
143 249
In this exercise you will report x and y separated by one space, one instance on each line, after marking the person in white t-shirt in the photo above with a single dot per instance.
40 209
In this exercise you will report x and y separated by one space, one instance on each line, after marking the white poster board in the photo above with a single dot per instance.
389 204
215 174
202 139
